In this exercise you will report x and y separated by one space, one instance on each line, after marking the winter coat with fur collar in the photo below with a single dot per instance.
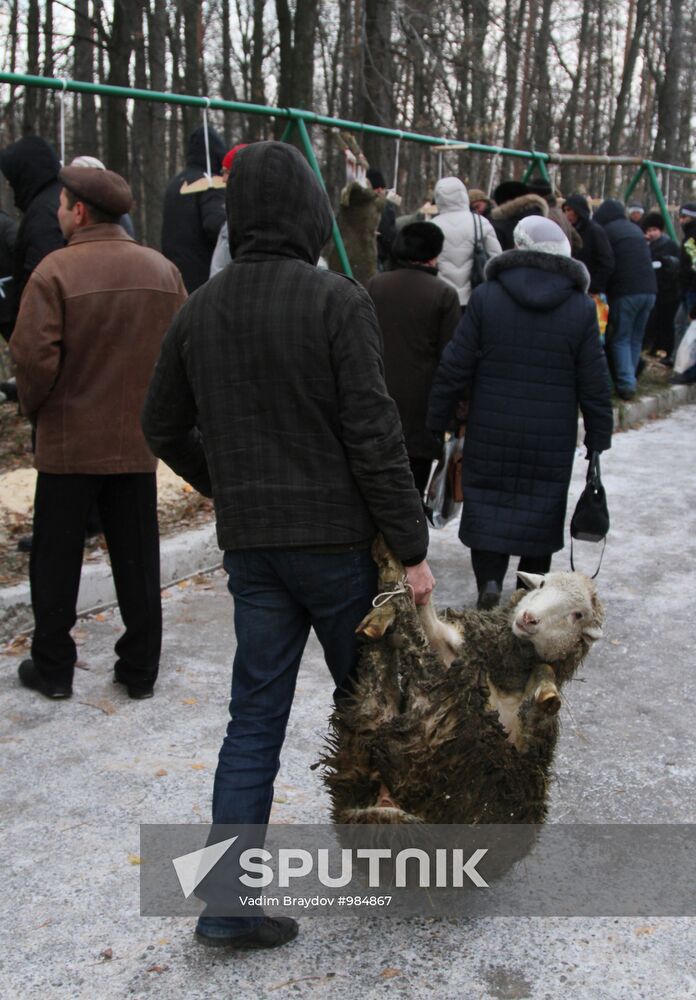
528 347
506 216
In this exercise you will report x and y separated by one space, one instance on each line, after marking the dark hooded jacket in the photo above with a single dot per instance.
528 346
31 167
633 272
269 393
191 222
595 252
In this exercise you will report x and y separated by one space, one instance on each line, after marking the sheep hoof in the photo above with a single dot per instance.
548 701
376 622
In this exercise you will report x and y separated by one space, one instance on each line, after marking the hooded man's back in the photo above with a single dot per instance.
191 222
31 167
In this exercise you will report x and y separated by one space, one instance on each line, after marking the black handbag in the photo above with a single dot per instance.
480 258
590 520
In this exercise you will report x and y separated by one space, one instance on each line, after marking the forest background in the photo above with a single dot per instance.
579 76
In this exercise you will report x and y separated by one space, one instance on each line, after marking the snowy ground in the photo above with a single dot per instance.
78 778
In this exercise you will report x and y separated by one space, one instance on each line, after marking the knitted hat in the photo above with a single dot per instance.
508 191
653 220
543 235
688 209
87 161
376 178
230 155
418 241
103 189
635 207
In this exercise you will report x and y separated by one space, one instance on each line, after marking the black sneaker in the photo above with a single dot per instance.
30 677
272 932
136 692
489 597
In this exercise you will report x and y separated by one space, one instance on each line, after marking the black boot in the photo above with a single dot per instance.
489 597
30 677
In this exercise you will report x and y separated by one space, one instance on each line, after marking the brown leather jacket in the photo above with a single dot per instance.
87 337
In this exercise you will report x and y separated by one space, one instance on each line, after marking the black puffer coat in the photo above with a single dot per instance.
269 393
31 167
633 272
191 222
528 345
595 250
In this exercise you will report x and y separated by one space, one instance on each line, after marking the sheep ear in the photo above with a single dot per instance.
532 581
593 632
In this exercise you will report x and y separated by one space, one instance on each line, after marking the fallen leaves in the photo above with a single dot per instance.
134 859
107 954
197 767
389 973
161 773
157 968
189 701
103 704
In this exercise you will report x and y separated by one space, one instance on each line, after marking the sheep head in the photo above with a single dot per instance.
560 614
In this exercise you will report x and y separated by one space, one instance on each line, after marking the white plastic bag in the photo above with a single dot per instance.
686 353
440 506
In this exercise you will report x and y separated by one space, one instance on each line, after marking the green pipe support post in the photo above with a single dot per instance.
657 191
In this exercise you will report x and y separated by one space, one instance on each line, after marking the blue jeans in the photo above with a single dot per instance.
629 317
279 594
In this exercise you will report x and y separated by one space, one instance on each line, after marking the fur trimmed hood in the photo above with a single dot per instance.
526 204
564 276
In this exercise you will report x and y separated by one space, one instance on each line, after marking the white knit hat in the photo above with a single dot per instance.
535 232
88 161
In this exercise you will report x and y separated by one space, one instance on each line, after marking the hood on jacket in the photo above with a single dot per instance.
537 280
29 165
195 152
451 195
276 204
579 204
526 204
609 211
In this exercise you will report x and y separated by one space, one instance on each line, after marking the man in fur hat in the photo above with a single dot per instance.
90 325
514 202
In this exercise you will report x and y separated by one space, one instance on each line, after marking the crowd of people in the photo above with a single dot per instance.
310 408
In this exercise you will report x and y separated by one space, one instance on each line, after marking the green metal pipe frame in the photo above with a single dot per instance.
299 119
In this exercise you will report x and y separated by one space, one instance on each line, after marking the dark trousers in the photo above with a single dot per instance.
127 507
493 566
279 594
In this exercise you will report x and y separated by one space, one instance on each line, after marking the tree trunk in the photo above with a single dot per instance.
120 45
86 140
378 78
31 103
154 161
668 91
296 81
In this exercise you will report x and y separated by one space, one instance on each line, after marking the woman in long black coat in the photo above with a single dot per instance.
528 347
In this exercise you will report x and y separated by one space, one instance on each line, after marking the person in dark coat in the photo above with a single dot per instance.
386 231
595 252
631 292
659 333
31 167
514 201
8 238
191 222
417 315
269 396
687 266
528 348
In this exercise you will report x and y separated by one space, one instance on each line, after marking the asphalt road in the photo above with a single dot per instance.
79 777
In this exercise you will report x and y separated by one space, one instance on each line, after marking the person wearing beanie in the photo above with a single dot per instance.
631 292
664 252
221 255
87 336
528 350
192 219
417 315
635 212
514 201
595 251
462 229
386 230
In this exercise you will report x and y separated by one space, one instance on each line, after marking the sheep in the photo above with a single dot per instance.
453 718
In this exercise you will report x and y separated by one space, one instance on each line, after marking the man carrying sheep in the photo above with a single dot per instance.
269 396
